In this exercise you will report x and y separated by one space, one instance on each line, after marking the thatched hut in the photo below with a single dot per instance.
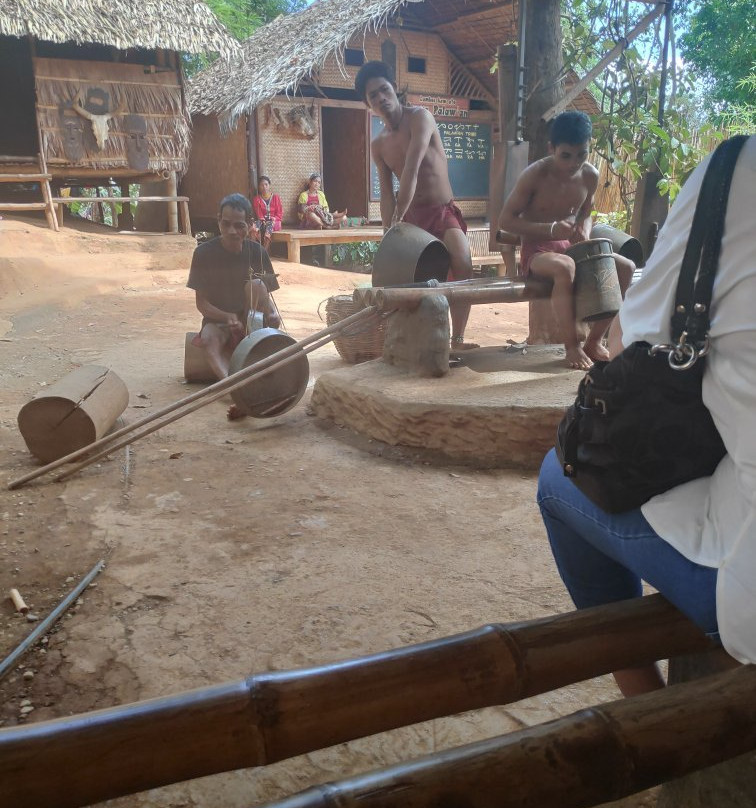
288 107
99 95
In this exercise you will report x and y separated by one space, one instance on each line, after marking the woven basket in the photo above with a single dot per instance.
359 342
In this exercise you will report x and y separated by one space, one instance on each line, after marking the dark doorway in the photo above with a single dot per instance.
345 159
18 130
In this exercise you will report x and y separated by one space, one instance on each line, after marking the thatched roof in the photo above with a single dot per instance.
282 53
179 25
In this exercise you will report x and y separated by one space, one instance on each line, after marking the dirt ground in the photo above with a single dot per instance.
244 547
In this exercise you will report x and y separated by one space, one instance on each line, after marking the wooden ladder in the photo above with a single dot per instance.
43 178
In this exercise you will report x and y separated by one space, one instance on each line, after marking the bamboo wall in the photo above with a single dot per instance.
286 156
217 167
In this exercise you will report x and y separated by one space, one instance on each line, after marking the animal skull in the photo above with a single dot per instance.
99 122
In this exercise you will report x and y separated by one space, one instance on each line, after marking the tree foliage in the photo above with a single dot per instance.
630 132
720 46
242 18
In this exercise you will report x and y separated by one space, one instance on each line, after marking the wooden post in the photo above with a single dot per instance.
172 190
544 62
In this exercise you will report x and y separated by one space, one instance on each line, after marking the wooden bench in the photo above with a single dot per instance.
294 239
183 205
479 250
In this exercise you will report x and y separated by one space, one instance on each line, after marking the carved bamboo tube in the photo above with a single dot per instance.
266 718
596 755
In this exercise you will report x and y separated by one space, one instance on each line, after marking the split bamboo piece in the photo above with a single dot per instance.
245 375
73 412
273 716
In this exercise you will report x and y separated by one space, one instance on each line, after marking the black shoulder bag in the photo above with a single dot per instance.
638 426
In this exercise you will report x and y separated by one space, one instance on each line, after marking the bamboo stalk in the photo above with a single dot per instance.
42 628
591 757
511 292
273 716
223 384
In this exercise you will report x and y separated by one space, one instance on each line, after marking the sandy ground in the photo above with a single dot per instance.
238 548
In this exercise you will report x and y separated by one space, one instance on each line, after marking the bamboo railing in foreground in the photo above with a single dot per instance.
84 759
586 759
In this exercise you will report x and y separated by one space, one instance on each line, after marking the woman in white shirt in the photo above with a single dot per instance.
696 544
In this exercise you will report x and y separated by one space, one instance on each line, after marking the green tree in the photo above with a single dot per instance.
720 46
243 17
627 131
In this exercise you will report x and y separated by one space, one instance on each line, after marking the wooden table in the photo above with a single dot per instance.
294 238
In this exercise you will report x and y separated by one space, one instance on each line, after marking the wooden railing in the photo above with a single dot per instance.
80 760
183 203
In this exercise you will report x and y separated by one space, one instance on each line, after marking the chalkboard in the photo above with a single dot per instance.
468 150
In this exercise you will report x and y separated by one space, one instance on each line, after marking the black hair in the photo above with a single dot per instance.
263 177
571 127
237 202
372 70
316 175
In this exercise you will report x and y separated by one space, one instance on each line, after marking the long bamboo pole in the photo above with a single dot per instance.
591 757
223 384
169 419
513 291
273 716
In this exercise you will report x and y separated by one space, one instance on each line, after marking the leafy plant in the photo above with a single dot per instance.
354 254
632 132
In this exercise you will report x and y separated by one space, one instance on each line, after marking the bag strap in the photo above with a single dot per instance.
690 318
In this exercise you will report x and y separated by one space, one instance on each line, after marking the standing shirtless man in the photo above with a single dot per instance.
550 209
410 147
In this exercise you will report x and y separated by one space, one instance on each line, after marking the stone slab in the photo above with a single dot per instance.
505 418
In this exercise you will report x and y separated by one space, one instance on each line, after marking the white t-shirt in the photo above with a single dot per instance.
712 521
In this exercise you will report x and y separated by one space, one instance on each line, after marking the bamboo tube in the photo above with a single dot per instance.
511 292
269 717
593 756
19 604
223 384
158 424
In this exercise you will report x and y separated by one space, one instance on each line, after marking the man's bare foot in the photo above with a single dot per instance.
458 344
596 351
577 359
234 413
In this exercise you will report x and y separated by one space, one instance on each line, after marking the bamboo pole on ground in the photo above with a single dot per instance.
223 384
273 716
158 424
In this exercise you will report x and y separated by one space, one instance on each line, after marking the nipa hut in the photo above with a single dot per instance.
288 107
92 94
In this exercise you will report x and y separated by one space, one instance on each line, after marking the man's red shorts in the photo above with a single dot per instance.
436 219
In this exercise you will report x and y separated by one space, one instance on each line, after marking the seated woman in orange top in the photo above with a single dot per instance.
268 211
312 208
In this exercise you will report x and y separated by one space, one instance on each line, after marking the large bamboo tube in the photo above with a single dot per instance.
110 753
595 755
73 412
224 385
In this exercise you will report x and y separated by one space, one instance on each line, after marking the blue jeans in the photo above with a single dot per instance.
603 557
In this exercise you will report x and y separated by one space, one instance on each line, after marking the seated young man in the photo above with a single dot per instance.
226 277
550 209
